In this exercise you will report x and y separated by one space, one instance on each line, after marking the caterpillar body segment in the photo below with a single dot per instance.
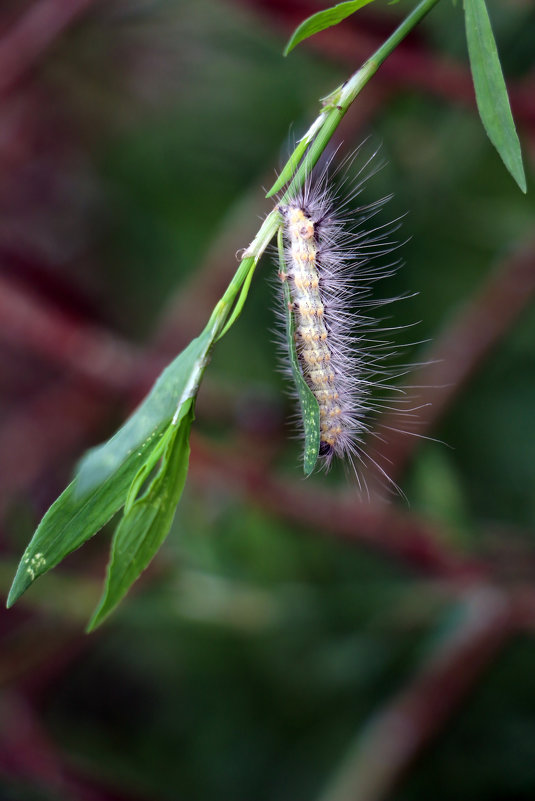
331 268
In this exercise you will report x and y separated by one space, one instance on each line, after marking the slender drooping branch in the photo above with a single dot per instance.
116 475
311 146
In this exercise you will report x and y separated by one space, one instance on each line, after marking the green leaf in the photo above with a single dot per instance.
323 19
145 526
178 382
310 411
72 520
146 468
105 475
491 92
244 291
290 166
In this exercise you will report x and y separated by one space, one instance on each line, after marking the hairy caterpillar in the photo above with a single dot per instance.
330 270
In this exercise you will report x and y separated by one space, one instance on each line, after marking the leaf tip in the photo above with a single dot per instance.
97 618
10 600
279 183
21 582
516 170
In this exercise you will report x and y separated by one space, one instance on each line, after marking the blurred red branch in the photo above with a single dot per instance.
105 364
456 355
102 367
398 733
113 366
394 532
33 34
116 367
37 436
28 754
89 352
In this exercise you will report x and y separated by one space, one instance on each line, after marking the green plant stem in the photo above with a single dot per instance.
318 136
221 318
114 473
338 102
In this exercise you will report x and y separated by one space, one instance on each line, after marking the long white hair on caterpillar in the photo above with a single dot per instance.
331 262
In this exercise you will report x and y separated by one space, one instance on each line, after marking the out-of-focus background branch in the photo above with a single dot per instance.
291 641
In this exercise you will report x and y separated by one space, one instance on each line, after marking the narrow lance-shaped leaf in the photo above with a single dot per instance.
290 167
146 524
323 19
105 475
71 520
178 381
309 405
242 297
491 92
113 473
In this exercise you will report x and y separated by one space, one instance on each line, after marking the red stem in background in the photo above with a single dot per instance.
406 724
63 414
29 756
395 533
113 367
35 438
22 47
456 355
92 353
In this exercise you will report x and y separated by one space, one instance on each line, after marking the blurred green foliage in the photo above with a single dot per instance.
246 670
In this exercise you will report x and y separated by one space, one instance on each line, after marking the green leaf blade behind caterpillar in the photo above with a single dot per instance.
309 405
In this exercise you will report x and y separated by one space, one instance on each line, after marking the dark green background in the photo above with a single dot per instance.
247 670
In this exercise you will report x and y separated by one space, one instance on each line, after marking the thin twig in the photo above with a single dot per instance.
28 753
387 747
90 352
33 34
456 354
394 532
38 436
